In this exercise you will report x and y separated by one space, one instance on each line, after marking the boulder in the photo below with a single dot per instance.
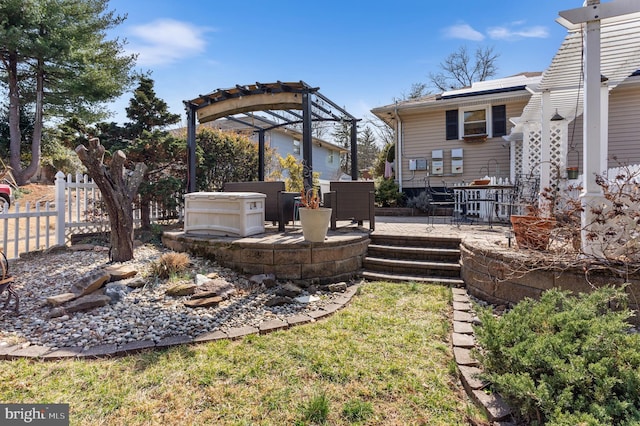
90 283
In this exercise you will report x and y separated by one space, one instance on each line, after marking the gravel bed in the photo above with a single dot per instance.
145 313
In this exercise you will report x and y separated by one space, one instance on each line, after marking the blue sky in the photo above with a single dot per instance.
361 54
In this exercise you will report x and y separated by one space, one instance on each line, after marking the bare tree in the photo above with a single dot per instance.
459 70
119 187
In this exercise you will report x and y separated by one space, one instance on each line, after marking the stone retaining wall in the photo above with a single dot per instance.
499 277
337 259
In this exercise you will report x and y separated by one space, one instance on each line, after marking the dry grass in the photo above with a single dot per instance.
383 360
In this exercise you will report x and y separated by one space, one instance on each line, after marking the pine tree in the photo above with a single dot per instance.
55 58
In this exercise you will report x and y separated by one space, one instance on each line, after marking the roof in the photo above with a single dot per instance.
502 89
620 59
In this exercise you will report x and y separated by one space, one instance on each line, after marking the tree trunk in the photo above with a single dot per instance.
21 175
118 187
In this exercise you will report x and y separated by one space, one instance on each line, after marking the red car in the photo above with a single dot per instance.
5 196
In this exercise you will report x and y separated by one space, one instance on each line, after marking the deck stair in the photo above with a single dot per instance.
422 259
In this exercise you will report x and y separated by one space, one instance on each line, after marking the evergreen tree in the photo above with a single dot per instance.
342 137
146 110
367 149
163 154
55 59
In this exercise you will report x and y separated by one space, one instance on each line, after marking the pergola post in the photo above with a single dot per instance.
354 150
191 147
261 155
307 156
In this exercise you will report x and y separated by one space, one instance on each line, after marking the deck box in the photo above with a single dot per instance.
236 214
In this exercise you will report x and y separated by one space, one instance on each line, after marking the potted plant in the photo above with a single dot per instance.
314 219
533 230
572 173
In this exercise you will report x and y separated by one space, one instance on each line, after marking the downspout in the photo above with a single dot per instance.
398 147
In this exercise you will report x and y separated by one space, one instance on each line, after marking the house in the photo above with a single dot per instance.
457 136
512 127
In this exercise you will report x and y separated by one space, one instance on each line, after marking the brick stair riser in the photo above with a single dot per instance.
417 254
378 276
416 242
399 268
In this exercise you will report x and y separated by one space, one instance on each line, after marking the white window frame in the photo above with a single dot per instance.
488 118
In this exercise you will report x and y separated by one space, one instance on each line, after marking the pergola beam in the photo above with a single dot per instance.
289 97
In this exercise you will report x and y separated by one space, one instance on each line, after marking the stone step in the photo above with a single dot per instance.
414 253
415 241
397 277
414 267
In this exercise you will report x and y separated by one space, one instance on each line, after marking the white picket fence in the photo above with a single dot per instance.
77 209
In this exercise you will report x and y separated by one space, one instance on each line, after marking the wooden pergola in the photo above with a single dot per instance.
288 104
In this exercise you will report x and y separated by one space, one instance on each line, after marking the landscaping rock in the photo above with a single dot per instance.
269 280
88 302
181 290
278 301
120 272
136 283
90 283
337 287
289 290
59 299
116 291
56 312
217 287
203 303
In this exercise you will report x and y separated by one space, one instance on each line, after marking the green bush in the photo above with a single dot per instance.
565 359
388 193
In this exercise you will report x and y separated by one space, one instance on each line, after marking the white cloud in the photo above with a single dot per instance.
165 41
509 34
463 31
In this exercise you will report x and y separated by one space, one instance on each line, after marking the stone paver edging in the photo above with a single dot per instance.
463 342
111 350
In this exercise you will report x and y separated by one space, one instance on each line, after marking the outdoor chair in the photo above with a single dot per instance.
351 200
278 206
6 283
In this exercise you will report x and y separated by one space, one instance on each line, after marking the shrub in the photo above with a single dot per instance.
565 359
388 193
170 264
422 201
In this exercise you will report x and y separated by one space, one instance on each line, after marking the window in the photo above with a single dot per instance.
330 157
296 147
490 121
474 122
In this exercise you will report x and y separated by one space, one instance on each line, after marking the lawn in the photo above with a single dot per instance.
383 360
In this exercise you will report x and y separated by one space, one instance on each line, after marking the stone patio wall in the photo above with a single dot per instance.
491 275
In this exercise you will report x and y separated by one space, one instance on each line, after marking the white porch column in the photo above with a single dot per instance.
595 115
545 151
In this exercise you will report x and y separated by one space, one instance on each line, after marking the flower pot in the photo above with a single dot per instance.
572 173
315 223
532 231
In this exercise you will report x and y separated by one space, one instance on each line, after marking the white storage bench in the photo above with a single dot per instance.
237 214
